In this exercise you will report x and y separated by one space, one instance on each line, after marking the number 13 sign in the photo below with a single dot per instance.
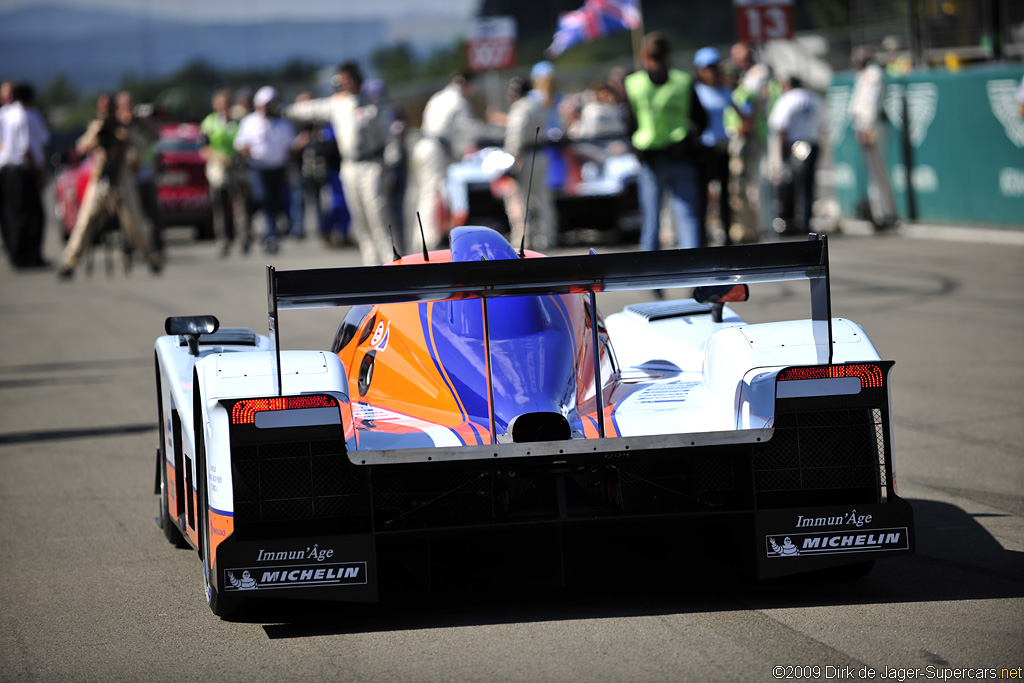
759 21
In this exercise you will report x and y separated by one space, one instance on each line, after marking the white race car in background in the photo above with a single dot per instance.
594 187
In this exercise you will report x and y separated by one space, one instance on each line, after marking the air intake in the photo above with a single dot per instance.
539 427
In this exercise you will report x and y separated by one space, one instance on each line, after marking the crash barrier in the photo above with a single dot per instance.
964 145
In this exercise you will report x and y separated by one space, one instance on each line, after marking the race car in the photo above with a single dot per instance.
476 395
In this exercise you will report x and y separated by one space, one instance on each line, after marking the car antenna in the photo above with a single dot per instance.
394 250
423 239
529 187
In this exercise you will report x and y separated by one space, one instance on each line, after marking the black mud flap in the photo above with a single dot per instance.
335 568
798 540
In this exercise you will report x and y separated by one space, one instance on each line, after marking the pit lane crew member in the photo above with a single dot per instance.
525 116
361 129
867 118
667 120
716 98
799 119
219 131
266 140
448 125
20 171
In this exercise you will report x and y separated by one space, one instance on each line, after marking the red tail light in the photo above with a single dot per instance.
871 375
244 412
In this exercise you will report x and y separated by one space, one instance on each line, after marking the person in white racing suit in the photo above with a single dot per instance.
525 118
361 130
867 118
449 124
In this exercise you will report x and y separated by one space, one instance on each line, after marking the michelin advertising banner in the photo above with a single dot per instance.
966 145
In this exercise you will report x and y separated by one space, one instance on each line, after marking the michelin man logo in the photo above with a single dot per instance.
247 583
787 547
922 102
1002 98
838 98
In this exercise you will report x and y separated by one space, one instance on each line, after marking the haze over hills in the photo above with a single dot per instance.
95 48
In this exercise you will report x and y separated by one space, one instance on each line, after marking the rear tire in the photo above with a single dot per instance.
170 528
171 531
222 605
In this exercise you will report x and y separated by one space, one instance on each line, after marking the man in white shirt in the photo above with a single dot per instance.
361 131
38 139
798 119
19 173
265 140
448 124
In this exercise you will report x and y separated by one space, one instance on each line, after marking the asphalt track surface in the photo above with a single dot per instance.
91 591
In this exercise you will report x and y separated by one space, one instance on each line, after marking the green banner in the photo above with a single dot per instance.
966 145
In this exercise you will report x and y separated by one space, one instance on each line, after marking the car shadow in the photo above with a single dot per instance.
62 367
54 382
74 433
68 373
956 559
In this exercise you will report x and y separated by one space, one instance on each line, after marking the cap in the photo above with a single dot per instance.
374 88
706 56
264 96
542 70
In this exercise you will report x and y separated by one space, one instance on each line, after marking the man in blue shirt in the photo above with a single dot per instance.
716 97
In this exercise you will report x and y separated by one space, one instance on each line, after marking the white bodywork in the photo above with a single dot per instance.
227 372
718 376
709 382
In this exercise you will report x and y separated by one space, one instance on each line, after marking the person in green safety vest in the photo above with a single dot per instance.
219 130
666 120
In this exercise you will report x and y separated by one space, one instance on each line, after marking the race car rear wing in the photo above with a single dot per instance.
622 271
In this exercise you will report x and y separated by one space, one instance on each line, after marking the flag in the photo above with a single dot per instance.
595 19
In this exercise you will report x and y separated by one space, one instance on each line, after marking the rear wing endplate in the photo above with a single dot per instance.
614 272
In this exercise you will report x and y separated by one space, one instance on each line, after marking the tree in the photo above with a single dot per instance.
445 62
395 64
59 91
197 72
298 71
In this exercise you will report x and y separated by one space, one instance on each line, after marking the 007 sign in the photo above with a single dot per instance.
491 53
491 44
758 22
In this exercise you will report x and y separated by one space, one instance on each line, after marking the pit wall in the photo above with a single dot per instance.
965 143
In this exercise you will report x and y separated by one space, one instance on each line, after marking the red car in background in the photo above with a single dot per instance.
69 188
182 191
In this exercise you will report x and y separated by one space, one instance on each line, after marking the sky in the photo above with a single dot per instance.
36 50
228 10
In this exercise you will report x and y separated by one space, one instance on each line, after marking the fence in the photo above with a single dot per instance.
961 135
